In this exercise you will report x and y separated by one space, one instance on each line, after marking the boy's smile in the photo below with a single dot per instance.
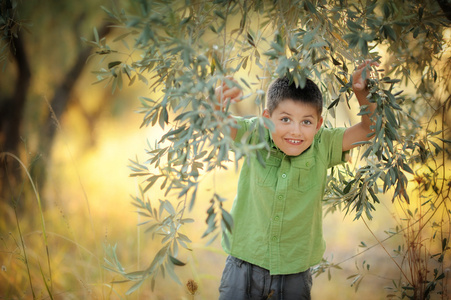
296 124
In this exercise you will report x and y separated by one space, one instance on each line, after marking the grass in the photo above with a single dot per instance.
44 233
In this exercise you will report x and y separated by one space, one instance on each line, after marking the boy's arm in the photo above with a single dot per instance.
359 132
225 94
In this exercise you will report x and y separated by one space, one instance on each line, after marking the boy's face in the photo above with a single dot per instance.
296 124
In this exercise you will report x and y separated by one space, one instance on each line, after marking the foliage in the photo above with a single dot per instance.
186 49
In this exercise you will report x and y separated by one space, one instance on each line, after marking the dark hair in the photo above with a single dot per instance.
282 89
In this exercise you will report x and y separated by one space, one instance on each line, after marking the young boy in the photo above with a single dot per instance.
277 234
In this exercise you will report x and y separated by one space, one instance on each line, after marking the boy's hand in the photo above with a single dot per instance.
361 131
359 82
225 94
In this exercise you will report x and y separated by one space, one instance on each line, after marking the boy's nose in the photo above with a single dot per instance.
296 130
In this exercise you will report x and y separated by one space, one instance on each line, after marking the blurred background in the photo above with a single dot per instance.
74 140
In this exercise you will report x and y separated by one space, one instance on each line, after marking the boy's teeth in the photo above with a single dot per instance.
294 141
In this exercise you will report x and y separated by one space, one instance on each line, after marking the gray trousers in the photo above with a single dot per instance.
242 280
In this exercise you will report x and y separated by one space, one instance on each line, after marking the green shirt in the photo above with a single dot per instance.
277 210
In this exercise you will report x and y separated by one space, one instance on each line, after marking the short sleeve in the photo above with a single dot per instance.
243 126
330 141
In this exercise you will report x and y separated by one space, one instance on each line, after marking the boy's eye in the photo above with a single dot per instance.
285 120
307 122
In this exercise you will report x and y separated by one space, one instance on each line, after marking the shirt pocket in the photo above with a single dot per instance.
267 176
304 176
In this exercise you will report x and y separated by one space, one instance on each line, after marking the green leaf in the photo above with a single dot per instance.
219 14
120 281
363 46
173 132
250 39
185 21
113 64
172 274
389 80
407 168
353 26
260 158
386 10
391 117
389 32
444 244
183 237
348 186
227 218
164 117
445 141
310 6
96 35
138 275
416 32
226 240
362 143
134 287
334 103
175 261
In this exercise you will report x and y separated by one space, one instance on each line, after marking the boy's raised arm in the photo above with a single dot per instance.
359 132
225 94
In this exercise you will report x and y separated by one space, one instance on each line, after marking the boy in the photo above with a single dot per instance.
277 234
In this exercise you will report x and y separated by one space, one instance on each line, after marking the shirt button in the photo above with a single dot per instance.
307 164
274 238
276 218
284 175
280 197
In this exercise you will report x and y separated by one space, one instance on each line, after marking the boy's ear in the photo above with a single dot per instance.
320 122
267 115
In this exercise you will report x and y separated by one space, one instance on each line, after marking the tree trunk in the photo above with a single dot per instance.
11 113
12 109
